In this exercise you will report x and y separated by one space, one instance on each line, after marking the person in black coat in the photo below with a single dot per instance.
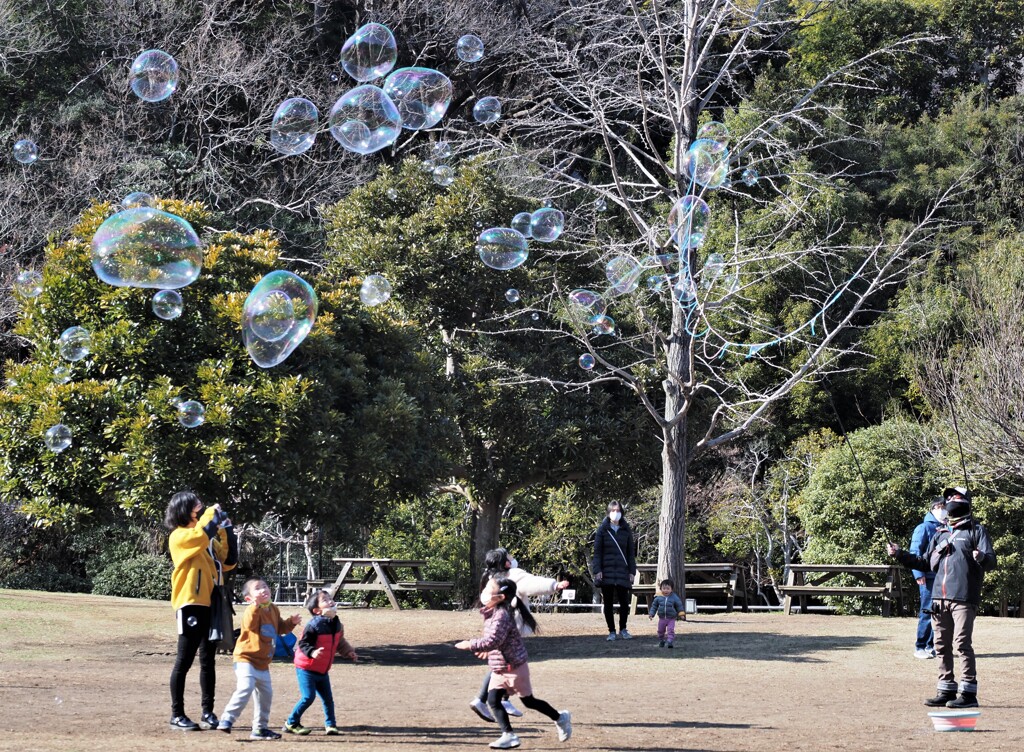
614 567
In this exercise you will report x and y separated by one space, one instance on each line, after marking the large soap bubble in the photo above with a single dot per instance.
714 131
422 96
469 48
707 162
167 305
375 290
502 248
191 414
521 223
487 110
74 343
623 274
369 53
365 120
293 129
146 247
26 151
547 224
154 76
57 438
586 303
268 295
28 284
136 199
688 222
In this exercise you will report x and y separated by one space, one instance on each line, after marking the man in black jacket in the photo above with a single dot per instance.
959 554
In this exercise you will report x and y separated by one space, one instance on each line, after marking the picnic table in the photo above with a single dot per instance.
379 575
807 581
707 578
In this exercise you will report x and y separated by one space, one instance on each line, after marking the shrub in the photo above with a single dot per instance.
138 575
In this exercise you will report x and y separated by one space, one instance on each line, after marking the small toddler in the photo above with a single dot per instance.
667 606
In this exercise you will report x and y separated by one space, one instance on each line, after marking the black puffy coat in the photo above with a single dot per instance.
950 554
618 567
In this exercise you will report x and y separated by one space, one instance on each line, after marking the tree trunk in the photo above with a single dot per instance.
486 529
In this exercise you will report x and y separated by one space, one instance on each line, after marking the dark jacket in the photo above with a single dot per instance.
958 576
923 535
666 608
616 563
325 633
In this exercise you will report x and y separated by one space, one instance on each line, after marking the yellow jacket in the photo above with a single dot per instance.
258 636
195 572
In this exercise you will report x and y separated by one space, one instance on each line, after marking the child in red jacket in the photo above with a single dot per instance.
321 639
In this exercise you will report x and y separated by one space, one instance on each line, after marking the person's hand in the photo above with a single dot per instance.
562 585
892 548
482 655
317 652
462 645
296 619
351 655
599 576
650 618
920 580
978 555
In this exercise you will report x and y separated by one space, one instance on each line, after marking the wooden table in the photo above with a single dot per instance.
381 576
811 581
714 578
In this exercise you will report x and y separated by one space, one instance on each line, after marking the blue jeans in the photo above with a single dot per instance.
924 621
312 684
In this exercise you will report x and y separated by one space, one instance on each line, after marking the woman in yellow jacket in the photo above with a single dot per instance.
202 546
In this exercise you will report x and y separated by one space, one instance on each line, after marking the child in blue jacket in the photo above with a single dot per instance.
667 606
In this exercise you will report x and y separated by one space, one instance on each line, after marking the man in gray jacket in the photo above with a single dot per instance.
959 554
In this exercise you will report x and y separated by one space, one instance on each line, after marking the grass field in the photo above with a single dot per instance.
80 672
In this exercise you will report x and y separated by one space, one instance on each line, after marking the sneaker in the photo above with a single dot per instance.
508 740
932 653
264 735
612 637
331 730
511 709
479 707
922 653
184 723
564 724
208 721
625 635
296 728
661 643
224 726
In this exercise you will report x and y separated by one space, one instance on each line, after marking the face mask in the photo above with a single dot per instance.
513 564
615 516
940 515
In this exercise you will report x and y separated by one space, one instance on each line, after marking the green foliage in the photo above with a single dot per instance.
125 572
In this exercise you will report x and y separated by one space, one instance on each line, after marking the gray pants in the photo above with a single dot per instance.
953 625
250 680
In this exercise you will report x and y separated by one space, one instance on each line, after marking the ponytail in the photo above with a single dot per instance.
507 588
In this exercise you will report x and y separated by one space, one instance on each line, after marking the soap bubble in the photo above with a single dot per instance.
272 316
713 267
602 324
422 96
192 621
444 175
546 224
656 282
623 274
392 194
600 205
191 414
684 291
57 438
688 222
302 300
428 165
365 120
62 374
535 316
586 303
369 53
469 48
512 295
441 151
293 129
521 224
714 131
731 283
136 199
487 110
707 162
28 284
502 248
587 361
154 76
25 151
750 177
375 290
146 247
167 304
74 343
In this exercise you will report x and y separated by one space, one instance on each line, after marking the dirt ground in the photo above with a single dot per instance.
81 672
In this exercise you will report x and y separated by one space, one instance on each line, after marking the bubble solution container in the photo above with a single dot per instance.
955 720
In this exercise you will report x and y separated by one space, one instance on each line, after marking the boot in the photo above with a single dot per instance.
941 699
965 700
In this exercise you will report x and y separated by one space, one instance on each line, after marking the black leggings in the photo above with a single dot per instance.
193 636
610 594
484 689
494 698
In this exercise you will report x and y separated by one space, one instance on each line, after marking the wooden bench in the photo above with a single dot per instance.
807 581
380 576
715 579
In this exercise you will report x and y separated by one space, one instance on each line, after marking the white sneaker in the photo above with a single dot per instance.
612 637
922 653
625 635
511 709
564 724
479 707
508 740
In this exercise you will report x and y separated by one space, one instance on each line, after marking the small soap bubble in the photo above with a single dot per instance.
167 305
684 291
587 361
750 177
62 374
502 248
334 78
688 222
28 284
535 316
546 224
191 621
74 343
428 165
375 290
25 151
365 120
392 194
57 438
714 131
444 175
146 247
58 700
623 273
487 110
422 96
264 310
191 414
293 129
153 76
469 48
369 53
713 267
600 205
136 199
602 324
441 151
521 223
512 295
707 162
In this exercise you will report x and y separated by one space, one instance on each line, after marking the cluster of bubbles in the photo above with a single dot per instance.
277 316
442 173
505 248
374 290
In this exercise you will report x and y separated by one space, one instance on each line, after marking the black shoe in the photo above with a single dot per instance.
669 646
661 643
965 700
208 721
940 700
264 734
183 723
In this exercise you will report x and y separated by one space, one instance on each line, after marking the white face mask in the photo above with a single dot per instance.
615 516
940 515
514 564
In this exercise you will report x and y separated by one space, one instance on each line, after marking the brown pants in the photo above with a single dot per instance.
953 625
